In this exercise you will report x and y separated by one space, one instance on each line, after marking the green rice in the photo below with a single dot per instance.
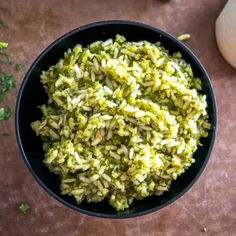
122 121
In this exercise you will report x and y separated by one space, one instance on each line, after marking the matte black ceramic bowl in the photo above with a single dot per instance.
32 94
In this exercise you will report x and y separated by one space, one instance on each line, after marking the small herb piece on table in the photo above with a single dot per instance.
3 45
6 80
24 207
19 67
4 57
6 84
5 113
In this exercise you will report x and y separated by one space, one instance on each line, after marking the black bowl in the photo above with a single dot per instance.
32 94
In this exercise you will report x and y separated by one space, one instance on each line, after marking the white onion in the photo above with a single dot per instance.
226 32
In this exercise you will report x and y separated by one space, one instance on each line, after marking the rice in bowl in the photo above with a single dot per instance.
122 121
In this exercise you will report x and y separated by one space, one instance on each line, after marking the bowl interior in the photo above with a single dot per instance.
32 95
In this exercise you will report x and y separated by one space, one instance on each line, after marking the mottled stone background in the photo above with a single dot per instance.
210 203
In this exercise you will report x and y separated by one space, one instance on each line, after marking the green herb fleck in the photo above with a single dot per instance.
4 57
6 84
3 24
6 80
19 67
3 45
24 207
5 113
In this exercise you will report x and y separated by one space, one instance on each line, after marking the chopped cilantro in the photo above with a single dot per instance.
6 80
4 57
3 45
24 207
6 83
19 67
5 113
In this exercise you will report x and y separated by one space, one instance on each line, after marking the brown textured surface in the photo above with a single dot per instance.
210 203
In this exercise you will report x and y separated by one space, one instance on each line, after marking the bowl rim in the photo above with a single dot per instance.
117 22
